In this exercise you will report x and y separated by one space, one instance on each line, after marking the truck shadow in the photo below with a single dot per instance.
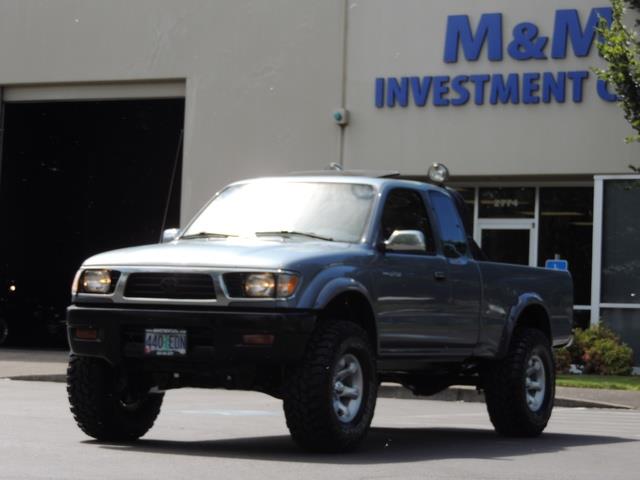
382 446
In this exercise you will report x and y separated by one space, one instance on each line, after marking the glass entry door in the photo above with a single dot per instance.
508 241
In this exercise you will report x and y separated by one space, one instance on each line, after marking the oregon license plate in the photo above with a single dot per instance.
165 342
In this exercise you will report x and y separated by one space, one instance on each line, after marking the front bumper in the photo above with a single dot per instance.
214 336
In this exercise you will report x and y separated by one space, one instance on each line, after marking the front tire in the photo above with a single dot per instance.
102 408
520 389
330 399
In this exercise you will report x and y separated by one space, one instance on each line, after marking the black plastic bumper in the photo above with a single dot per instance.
214 337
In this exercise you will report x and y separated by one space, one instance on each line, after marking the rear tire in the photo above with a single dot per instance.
330 399
101 408
520 389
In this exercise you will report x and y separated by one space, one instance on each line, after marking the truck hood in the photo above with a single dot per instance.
233 253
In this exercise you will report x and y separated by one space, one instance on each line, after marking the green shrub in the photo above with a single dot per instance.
607 357
599 350
563 360
583 340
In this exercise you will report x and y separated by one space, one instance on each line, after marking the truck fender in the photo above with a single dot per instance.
525 301
337 286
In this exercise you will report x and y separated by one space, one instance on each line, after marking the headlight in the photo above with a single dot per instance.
99 281
261 285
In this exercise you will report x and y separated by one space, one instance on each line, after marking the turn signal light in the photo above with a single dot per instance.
287 284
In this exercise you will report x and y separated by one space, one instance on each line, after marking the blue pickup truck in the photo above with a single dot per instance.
314 289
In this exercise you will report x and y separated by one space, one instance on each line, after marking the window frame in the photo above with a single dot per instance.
440 238
435 244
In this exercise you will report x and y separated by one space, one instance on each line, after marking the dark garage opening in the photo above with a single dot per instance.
78 178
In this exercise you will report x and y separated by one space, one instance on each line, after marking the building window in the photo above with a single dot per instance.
626 323
565 231
581 319
620 238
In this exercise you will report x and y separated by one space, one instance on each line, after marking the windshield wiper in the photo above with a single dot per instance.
206 235
291 232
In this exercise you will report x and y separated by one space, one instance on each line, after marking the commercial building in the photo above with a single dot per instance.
123 117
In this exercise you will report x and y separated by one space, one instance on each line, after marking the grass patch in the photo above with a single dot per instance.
611 382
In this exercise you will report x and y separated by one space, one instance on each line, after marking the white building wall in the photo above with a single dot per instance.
262 77
407 38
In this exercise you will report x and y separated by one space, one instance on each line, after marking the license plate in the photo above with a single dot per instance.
165 342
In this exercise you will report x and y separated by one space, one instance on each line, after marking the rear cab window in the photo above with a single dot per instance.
452 233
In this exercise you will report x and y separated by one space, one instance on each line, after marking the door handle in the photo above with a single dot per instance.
439 275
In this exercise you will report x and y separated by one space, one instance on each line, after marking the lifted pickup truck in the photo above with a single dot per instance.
314 289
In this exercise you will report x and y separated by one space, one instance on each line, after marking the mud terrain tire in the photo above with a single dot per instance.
330 399
520 389
101 409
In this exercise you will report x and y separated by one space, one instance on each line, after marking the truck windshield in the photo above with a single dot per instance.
300 210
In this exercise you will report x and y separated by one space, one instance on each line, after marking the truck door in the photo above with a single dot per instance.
463 272
411 294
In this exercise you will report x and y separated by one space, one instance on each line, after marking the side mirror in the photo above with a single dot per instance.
406 241
170 235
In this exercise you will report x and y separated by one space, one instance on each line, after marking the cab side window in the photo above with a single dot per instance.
405 210
454 239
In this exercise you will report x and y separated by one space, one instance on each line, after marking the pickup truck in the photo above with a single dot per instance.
314 289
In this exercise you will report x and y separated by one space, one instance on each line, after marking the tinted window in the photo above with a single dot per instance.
620 233
454 240
469 196
404 210
566 230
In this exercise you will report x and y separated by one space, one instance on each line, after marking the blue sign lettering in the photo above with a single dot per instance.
577 81
457 85
504 92
527 43
604 93
398 90
567 26
459 33
379 92
479 82
420 90
554 86
440 90
530 87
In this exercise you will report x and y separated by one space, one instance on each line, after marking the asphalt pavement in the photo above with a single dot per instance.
242 435
50 365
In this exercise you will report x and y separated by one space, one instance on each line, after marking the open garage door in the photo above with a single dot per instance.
78 178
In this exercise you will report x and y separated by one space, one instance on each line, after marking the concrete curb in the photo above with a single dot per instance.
40 378
470 394
452 394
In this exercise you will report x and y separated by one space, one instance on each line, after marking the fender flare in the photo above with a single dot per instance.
525 301
339 286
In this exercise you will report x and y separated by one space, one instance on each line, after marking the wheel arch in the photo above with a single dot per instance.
352 304
529 312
